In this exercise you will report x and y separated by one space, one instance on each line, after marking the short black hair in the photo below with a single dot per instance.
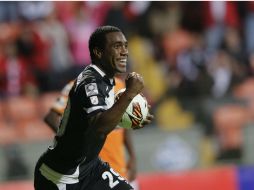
98 38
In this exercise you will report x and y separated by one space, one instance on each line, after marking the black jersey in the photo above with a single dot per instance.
77 144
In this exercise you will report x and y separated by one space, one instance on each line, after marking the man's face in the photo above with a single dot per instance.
115 53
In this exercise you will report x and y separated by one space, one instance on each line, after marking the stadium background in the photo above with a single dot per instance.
197 62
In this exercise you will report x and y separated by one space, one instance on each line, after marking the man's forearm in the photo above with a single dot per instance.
109 119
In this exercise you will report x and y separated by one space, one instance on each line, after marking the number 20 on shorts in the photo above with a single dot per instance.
109 175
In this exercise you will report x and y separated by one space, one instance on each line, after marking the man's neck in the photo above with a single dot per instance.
108 73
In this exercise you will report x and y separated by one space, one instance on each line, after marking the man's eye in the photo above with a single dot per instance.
117 46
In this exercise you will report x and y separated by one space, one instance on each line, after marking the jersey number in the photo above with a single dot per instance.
109 175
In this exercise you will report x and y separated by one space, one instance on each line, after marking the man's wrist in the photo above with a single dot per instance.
130 95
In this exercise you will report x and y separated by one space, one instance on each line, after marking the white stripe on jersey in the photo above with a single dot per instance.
89 110
58 178
61 186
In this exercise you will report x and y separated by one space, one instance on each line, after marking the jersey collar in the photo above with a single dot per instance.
112 81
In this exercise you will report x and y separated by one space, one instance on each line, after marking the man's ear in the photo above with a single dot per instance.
97 52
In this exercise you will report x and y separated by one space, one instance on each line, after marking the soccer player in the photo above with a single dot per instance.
72 162
113 150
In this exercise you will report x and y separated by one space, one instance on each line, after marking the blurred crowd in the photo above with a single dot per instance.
201 47
188 52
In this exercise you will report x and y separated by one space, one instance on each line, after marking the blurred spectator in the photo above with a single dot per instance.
116 16
191 65
54 31
63 10
249 26
135 9
233 44
16 168
192 16
218 15
15 75
9 32
8 11
99 10
34 10
142 60
164 17
194 84
226 73
60 59
34 49
173 43
79 28
250 70
229 121
166 34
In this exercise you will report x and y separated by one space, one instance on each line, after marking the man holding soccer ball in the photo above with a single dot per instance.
72 161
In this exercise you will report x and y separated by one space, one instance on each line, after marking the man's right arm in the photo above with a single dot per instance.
55 113
53 120
106 121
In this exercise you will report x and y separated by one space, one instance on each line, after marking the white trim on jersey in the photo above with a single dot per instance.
101 72
57 177
61 186
98 70
89 110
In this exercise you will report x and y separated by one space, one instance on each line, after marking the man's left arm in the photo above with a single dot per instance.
131 163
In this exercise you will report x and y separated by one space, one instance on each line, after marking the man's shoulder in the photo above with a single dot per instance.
89 71
89 74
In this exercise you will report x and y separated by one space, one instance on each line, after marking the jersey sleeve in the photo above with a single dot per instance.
94 95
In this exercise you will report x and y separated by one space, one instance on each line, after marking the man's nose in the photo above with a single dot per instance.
124 51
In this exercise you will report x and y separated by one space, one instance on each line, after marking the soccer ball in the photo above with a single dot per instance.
135 113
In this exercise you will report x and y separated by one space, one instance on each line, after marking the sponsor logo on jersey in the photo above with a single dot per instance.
94 100
91 89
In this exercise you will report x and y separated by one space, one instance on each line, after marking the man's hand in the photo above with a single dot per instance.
132 170
134 84
147 121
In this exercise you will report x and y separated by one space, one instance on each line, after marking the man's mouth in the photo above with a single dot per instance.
123 61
